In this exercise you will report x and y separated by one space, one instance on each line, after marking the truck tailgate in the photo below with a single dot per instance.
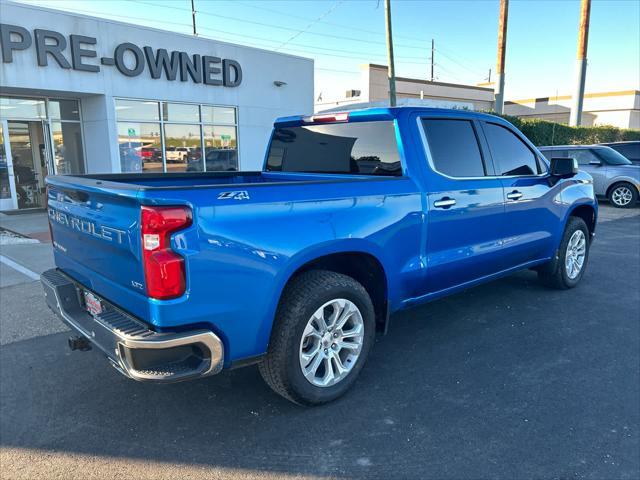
95 231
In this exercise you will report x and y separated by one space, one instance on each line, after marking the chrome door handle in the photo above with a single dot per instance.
515 195
445 202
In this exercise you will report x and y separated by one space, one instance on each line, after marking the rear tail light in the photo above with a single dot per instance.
164 269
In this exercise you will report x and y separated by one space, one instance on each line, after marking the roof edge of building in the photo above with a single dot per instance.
618 93
427 82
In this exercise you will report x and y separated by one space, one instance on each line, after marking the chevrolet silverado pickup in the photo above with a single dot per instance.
354 216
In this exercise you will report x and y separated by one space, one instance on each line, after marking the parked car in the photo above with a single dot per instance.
130 156
218 160
614 177
151 154
177 154
630 150
295 267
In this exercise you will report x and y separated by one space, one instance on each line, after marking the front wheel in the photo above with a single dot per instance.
623 195
567 269
324 329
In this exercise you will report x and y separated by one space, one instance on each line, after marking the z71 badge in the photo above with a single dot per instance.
237 195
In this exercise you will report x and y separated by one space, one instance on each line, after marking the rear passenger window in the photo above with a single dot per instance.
584 157
454 147
549 154
510 154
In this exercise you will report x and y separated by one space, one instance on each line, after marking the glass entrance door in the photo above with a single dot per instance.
6 179
27 156
38 137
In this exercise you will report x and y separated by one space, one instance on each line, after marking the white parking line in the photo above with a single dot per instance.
16 266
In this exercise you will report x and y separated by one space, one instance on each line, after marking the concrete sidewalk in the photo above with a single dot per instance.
33 225
23 257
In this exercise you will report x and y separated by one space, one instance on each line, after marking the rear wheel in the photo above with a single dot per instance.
623 195
324 329
567 269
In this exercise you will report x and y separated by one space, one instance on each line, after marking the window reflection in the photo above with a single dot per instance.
67 148
64 110
139 145
221 148
22 108
182 148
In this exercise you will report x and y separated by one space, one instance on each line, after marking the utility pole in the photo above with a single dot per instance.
433 49
489 77
391 69
193 17
502 49
575 118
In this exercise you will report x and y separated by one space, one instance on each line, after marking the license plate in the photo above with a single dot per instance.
92 304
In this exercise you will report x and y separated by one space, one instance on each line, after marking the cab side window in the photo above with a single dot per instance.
454 148
510 154
584 157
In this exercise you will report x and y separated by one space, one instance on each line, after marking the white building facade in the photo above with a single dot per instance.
619 109
373 90
80 94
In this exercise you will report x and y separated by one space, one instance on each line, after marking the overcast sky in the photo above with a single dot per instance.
342 34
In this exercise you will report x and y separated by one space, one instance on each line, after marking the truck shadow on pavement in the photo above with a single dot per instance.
509 379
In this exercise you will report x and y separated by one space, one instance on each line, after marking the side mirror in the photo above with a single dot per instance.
595 162
563 167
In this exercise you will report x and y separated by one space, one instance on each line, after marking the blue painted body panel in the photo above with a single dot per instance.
240 253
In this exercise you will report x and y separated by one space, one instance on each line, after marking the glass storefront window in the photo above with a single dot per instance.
221 148
140 147
225 115
137 110
183 151
184 130
180 112
64 109
22 108
67 148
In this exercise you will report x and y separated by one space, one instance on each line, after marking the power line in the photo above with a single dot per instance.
305 29
404 60
362 55
279 27
340 25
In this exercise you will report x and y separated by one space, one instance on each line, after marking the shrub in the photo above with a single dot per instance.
543 132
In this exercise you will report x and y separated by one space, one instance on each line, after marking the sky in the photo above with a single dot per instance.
340 35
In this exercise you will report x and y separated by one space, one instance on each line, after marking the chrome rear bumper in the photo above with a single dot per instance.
131 347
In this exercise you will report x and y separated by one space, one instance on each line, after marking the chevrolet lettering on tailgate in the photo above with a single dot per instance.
87 227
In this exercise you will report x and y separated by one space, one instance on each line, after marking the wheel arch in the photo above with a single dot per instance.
587 213
618 180
363 266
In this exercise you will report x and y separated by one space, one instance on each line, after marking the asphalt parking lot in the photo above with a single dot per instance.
508 380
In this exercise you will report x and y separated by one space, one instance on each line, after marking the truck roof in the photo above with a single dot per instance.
381 113
572 147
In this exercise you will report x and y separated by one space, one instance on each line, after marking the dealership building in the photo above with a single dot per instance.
80 94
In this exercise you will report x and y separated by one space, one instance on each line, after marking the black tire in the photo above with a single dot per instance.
616 201
304 295
554 274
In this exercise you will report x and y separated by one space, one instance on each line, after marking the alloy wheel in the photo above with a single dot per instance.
576 253
331 342
622 196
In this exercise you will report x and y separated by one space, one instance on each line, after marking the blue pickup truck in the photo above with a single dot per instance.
355 216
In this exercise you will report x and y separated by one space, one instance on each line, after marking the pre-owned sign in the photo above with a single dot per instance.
130 59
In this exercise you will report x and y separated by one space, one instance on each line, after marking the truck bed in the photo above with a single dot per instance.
146 181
